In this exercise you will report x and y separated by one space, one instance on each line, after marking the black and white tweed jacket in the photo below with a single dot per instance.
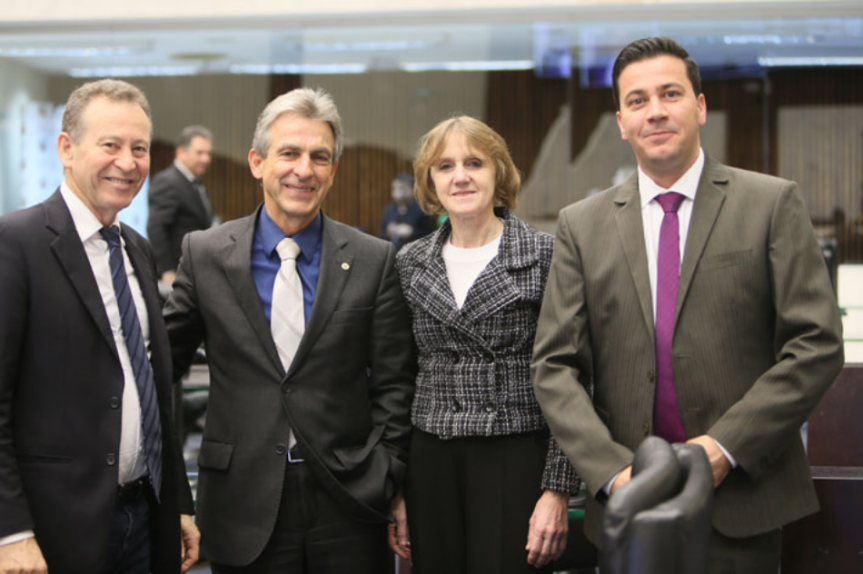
474 362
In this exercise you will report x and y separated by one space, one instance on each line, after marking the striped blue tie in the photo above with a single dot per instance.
140 361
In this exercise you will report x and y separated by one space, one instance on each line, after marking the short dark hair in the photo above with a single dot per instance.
191 132
648 48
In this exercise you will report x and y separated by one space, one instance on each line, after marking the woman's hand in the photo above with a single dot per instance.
549 526
397 532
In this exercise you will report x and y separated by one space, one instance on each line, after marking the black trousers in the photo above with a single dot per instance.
469 502
313 535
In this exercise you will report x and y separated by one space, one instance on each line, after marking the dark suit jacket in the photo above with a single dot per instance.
60 388
757 341
347 394
176 208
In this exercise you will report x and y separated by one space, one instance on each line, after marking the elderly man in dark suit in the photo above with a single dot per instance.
178 200
695 302
91 477
311 364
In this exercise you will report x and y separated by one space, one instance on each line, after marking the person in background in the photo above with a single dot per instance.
488 487
693 298
178 200
404 221
91 475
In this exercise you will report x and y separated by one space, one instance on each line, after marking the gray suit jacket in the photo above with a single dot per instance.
346 395
757 341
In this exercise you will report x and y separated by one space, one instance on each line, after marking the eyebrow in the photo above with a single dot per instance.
663 87
295 147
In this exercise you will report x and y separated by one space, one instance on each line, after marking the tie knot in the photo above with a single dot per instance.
670 201
111 235
288 249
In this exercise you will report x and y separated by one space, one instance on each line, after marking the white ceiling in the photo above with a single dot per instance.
261 47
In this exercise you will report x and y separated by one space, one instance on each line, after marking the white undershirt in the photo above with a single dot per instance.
464 264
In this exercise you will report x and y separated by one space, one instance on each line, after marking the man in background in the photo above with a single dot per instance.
178 199
694 300
91 477
404 220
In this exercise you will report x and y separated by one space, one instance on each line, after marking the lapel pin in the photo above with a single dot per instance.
346 266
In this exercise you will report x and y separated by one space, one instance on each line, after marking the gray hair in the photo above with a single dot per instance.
191 132
305 102
114 90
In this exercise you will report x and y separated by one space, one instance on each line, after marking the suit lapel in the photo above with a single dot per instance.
237 257
69 250
630 229
436 296
708 203
337 258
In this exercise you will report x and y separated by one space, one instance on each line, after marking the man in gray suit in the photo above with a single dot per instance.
311 366
708 319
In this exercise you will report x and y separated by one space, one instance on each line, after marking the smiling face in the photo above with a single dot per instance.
108 165
464 179
660 116
196 156
297 172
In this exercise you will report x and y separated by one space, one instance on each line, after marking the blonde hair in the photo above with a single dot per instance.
477 136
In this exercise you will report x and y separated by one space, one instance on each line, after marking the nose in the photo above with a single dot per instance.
656 110
125 160
303 167
460 174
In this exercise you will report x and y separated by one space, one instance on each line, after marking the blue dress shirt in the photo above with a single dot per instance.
266 261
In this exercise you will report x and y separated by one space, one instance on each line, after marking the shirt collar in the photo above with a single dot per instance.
184 170
84 220
309 238
687 185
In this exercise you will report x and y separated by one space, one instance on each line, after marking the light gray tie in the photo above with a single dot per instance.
287 319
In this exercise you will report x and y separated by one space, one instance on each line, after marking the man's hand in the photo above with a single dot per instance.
718 463
24 557
549 525
622 478
168 277
397 532
190 542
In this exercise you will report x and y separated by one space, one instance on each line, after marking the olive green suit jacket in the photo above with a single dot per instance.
757 341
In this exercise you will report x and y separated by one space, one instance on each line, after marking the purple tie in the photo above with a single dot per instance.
666 414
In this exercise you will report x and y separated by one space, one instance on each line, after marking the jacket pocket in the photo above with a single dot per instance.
360 314
43 459
723 260
215 455
351 457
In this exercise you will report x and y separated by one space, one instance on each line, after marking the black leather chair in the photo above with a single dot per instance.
659 523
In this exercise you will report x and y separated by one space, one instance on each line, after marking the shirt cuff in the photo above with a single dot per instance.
13 538
609 484
726 453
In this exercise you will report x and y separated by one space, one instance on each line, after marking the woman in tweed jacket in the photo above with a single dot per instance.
487 485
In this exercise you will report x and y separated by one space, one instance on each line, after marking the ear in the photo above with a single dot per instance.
620 126
256 163
702 109
65 149
335 167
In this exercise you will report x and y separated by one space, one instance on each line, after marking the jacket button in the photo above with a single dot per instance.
645 429
455 358
281 449
456 407
111 459
114 402
489 408
651 375
288 390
